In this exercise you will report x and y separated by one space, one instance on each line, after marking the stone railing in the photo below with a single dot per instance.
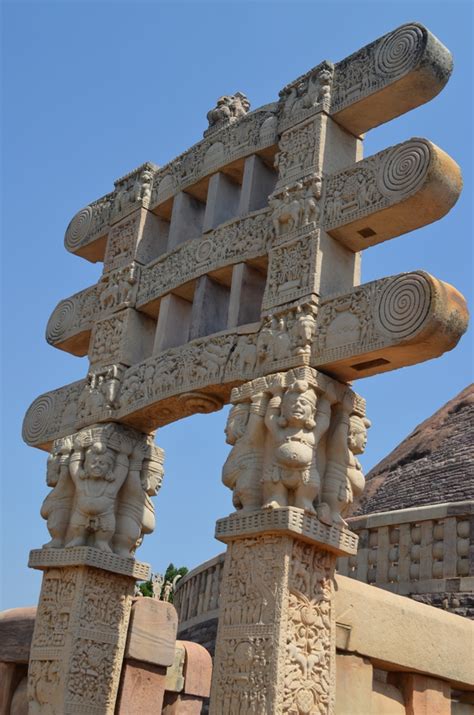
423 550
414 551
197 594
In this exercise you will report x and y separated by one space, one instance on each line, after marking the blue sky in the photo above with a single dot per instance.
93 89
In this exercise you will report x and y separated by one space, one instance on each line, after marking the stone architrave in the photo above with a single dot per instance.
262 299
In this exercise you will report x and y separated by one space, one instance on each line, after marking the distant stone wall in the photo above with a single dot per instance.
203 633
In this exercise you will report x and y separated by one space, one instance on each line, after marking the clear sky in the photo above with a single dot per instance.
93 89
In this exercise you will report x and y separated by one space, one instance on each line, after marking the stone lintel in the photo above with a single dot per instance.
386 324
69 327
44 559
390 193
376 327
396 73
287 521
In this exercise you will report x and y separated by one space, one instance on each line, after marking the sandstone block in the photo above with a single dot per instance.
152 632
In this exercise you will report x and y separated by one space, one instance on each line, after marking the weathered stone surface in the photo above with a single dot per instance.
353 686
377 327
275 638
264 297
387 700
426 696
102 478
390 193
421 639
364 616
142 688
396 73
16 632
197 670
152 632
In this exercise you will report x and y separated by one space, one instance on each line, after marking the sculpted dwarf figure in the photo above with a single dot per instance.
98 473
242 471
296 420
343 478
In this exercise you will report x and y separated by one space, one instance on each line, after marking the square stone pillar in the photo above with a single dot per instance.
80 629
275 649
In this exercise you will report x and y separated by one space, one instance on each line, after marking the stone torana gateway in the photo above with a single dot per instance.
232 274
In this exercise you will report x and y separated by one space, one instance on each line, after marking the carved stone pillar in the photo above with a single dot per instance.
275 650
80 630
294 438
97 513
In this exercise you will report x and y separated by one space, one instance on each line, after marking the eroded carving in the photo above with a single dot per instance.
228 109
299 151
292 272
306 95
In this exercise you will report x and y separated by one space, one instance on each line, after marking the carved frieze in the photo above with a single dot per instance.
89 224
306 95
256 130
372 327
296 208
92 223
71 321
52 415
125 337
299 152
406 67
309 671
275 648
245 677
233 242
376 327
292 272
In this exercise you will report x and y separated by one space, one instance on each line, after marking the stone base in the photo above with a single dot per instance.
80 631
43 559
275 649
291 521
